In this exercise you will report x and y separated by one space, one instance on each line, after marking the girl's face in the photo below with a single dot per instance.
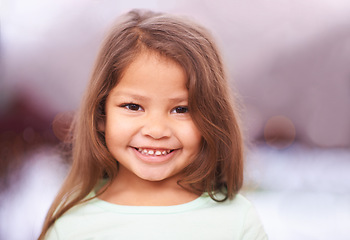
148 128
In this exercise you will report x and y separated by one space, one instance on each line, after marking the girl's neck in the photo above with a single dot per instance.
133 191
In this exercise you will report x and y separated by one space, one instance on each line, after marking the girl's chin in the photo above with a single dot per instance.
155 177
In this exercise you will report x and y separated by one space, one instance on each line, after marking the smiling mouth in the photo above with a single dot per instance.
154 152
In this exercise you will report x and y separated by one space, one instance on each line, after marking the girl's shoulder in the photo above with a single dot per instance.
237 207
237 202
239 215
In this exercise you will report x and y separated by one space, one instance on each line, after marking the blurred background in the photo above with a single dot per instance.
289 61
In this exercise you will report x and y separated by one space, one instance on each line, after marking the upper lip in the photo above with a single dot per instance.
154 148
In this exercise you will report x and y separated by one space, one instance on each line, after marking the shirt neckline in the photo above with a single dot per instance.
194 204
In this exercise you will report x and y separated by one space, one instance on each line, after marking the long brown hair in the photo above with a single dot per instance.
219 165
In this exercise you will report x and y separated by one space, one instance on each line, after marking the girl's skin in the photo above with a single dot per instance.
150 132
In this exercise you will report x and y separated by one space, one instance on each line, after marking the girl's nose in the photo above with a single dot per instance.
157 127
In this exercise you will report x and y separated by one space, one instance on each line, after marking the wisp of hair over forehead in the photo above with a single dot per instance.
219 164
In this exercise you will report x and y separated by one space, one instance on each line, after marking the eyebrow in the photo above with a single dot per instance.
129 95
181 98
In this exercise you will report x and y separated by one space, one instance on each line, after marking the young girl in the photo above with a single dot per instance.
157 150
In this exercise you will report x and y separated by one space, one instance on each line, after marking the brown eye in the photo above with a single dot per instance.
132 107
181 109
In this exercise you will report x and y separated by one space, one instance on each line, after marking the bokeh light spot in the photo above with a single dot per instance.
279 132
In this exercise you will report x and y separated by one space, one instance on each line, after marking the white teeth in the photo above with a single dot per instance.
158 153
153 152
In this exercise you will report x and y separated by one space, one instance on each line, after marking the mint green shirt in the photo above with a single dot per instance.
201 218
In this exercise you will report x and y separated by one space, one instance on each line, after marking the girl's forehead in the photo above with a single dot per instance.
150 72
147 56
151 55
140 59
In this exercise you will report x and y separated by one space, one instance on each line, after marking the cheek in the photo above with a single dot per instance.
192 137
117 131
